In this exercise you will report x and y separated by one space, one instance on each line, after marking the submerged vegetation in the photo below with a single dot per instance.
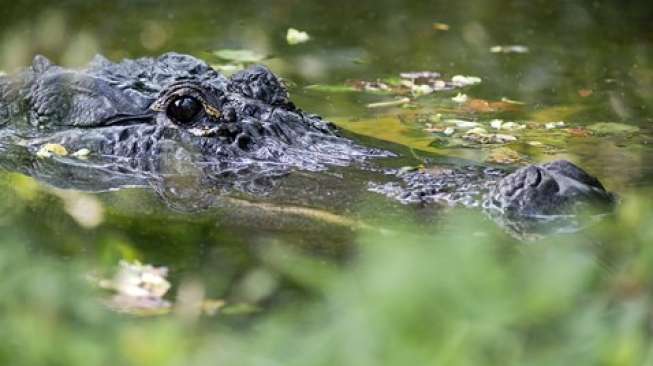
469 295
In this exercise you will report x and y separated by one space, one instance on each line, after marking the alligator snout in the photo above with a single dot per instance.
550 189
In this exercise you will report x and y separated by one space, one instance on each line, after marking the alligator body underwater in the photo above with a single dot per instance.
139 117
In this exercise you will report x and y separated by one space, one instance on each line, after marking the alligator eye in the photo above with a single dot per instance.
184 109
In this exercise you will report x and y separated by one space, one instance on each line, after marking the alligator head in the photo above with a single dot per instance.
152 113
175 114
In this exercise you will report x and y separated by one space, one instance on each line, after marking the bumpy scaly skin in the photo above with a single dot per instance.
247 126
465 185
550 189
534 191
247 131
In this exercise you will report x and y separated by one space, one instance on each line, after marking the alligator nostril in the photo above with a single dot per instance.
250 110
229 114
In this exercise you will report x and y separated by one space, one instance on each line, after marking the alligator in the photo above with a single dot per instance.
141 117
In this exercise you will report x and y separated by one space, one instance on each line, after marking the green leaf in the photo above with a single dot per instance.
243 55
331 88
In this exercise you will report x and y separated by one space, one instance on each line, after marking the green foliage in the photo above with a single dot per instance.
465 296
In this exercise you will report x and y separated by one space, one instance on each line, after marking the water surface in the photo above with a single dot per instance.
587 63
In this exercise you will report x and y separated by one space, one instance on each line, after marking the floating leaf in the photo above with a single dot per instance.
420 76
332 88
460 98
294 36
369 86
552 125
390 128
81 153
477 131
136 279
480 136
509 49
501 138
228 68
390 103
48 150
461 80
422 82
479 106
440 26
242 55
361 61
211 307
139 289
612 128
485 106
462 123
556 113
510 101
496 124
512 126
447 142
435 117
436 129
418 90
579 132
503 155
240 309
407 169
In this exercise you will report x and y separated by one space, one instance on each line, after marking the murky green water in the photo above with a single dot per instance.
587 63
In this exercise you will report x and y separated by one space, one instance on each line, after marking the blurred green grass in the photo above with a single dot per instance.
467 295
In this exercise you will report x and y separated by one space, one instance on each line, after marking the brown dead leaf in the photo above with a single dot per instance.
440 26
370 86
579 132
485 106
585 92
